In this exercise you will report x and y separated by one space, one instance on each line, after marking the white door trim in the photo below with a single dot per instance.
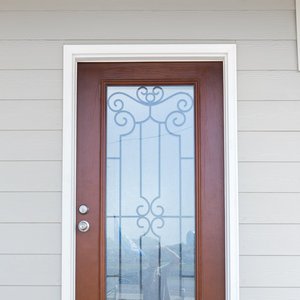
140 53
298 30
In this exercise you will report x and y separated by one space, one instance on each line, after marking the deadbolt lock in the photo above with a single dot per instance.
83 226
83 209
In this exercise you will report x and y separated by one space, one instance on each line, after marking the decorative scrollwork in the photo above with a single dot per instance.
157 223
125 119
152 97
150 214
148 224
145 206
185 104
149 210
156 210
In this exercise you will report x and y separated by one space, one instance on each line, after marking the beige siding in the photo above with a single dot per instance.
269 208
269 115
30 238
33 270
268 85
253 55
31 145
267 55
269 146
270 293
147 5
32 34
30 207
28 55
30 84
30 176
270 271
269 239
148 25
268 177
30 292
30 115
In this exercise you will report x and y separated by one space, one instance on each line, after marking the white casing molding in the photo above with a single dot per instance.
141 53
298 30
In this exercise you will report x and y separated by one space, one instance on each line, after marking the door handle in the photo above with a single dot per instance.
83 226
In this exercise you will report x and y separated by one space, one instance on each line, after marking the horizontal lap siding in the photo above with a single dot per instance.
30 292
269 115
267 55
269 239
268 85
28 84
269 208
31 115
270 293
210 25
33 270
35 55
167 5
30 145
30 207
30 238
268 177
32 35
269 146
252 55
270 271
30 176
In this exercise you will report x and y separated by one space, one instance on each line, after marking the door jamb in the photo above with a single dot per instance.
142 53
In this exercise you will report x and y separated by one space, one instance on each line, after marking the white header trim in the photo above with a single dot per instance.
298 30
140 53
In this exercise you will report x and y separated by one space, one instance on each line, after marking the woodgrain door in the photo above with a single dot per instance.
150 181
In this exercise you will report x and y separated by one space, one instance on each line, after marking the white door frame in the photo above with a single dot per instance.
141 53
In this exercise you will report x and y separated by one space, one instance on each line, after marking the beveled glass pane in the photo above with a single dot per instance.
150 209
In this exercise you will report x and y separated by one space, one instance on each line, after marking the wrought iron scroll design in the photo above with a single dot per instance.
150 214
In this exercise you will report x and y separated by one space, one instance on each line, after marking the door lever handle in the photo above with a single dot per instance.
83 226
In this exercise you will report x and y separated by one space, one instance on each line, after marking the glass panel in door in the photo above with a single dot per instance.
150 198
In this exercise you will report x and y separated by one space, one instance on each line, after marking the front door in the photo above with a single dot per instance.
150 181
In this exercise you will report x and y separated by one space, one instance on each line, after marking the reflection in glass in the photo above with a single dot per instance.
150 210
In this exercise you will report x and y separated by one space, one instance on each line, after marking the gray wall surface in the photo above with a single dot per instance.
32 35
